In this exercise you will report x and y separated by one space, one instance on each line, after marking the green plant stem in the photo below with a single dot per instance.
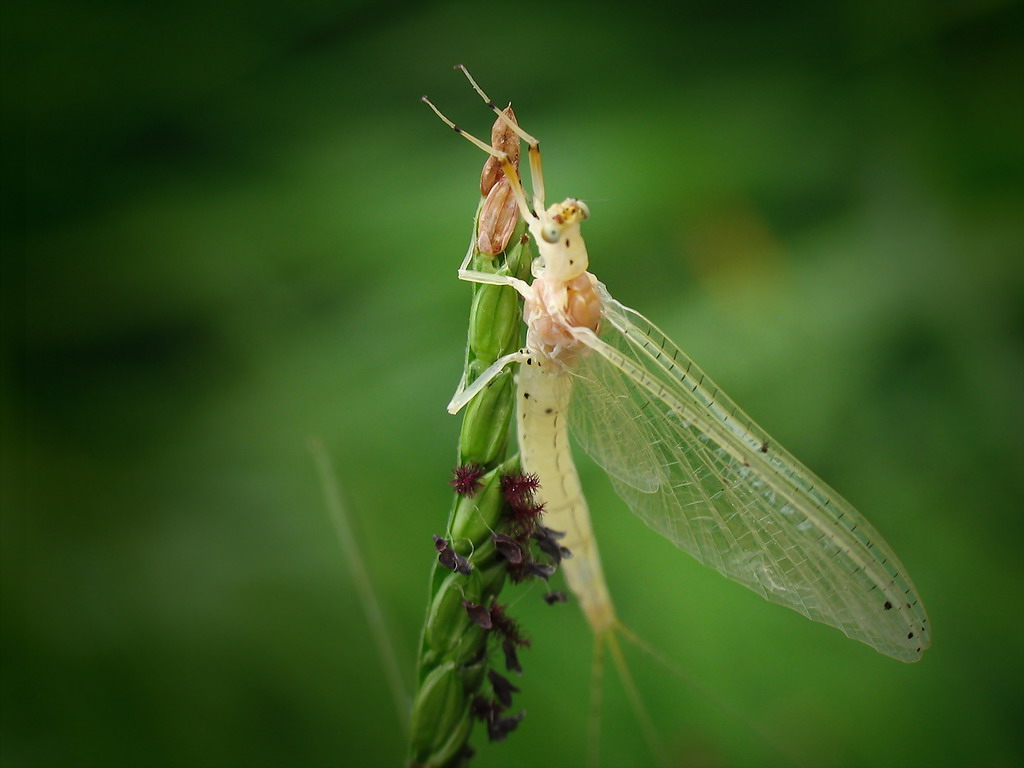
452 653
361 578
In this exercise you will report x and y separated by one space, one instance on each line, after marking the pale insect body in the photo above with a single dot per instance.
680 453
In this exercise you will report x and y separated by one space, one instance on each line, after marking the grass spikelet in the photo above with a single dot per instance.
475 556
466 479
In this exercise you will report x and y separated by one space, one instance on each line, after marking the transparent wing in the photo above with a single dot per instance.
699 471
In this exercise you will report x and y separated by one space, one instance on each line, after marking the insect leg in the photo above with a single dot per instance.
464 394
473 276
536 175
502 157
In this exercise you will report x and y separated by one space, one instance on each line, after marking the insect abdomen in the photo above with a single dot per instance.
544 444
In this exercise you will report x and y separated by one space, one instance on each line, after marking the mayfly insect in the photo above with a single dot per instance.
679 452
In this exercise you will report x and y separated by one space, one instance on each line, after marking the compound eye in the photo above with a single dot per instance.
550 233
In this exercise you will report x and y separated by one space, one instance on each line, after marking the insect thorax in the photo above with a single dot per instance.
555 309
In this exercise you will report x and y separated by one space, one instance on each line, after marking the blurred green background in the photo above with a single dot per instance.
229 226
